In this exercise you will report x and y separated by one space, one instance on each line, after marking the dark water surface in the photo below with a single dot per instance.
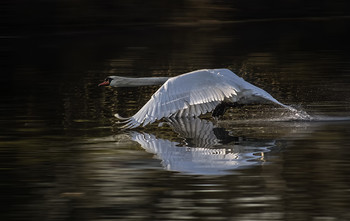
64 158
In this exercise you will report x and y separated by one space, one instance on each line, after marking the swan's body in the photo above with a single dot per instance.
191 94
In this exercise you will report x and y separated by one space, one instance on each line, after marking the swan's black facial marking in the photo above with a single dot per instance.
108 80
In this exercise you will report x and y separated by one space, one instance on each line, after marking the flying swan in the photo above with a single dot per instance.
192 94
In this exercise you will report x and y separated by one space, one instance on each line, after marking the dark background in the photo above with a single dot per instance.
63 17
61 157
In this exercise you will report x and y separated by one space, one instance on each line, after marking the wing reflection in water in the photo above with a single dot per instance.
207 150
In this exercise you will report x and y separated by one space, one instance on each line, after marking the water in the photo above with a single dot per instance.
64 157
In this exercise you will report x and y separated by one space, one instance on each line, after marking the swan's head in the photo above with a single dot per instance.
110 81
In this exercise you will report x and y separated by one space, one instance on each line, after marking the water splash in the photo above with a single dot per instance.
298 114
294 114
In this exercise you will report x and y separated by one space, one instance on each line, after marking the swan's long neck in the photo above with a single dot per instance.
135 82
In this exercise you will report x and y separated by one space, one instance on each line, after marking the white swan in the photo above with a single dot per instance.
192 94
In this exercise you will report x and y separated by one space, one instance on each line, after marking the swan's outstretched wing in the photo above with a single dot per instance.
190 94
196 93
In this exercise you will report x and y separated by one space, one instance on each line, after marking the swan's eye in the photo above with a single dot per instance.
108 79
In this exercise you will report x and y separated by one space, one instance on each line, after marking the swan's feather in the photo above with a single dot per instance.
196 93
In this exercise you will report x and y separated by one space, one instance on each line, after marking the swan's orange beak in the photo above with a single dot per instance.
105 83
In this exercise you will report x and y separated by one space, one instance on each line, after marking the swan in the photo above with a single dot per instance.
192 94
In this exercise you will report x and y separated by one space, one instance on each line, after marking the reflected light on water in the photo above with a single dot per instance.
209 155
63 158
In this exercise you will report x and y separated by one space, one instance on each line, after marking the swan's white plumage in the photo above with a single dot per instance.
196 93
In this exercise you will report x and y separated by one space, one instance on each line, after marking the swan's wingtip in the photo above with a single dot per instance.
129 123
120 117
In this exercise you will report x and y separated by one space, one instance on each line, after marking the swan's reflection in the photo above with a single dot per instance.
207 149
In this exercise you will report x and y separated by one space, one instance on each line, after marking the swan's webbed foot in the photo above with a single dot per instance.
220 109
